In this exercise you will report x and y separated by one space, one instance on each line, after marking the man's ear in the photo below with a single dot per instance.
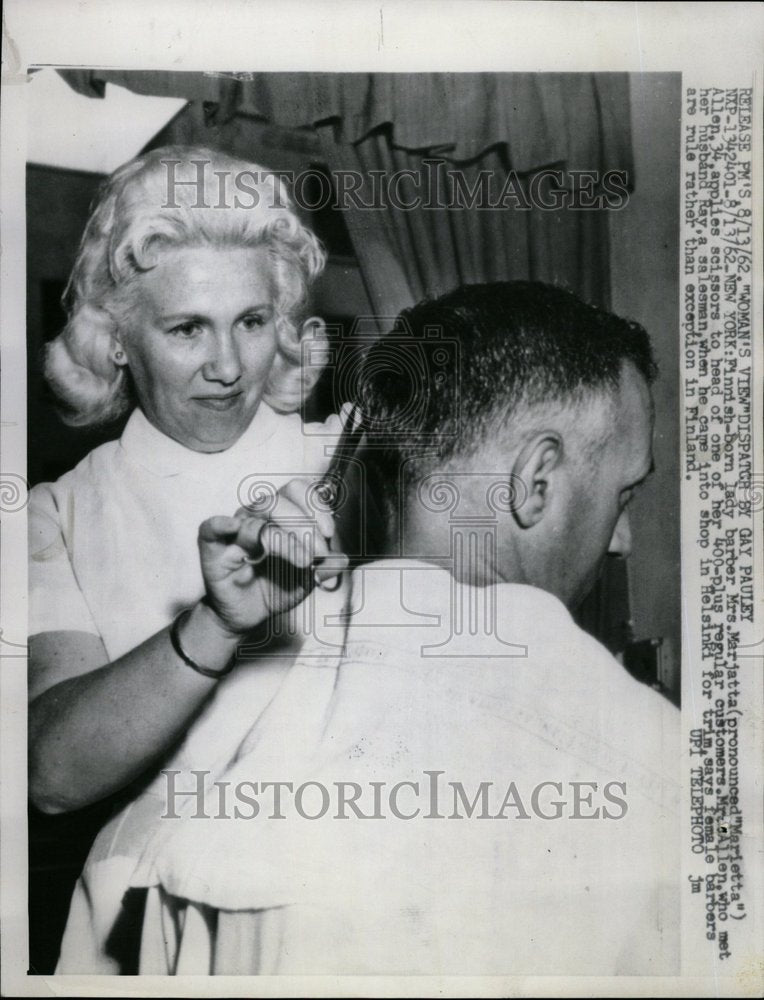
533 468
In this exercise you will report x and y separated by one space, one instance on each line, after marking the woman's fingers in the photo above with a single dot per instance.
330 569
297 532
303 494
220 530
219 552
250 539
299 507
289 544
288 534
327 565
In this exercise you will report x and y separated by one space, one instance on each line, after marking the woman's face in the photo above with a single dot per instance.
201 341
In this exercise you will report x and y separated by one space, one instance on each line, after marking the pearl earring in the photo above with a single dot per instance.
118 355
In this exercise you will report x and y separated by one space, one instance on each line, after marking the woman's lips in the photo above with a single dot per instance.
219 402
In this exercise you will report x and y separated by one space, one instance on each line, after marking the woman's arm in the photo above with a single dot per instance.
94 726
91 734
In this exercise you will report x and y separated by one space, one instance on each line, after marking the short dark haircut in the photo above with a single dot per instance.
516 343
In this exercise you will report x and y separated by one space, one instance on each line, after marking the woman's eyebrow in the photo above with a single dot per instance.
202 318
261 307
198 317
184 317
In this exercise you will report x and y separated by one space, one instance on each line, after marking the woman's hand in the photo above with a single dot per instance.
258 566
78 696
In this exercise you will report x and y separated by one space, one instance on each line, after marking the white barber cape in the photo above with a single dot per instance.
113 552
485 707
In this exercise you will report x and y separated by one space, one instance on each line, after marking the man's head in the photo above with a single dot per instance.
551 395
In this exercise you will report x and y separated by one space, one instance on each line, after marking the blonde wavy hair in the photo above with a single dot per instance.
135 218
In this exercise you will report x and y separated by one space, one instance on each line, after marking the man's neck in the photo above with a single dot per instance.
468 551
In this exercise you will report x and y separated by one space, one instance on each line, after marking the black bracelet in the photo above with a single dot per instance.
175 640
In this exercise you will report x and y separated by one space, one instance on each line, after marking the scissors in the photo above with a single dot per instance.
329 489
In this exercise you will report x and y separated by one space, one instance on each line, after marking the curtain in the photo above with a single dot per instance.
423 251
579 118
473 122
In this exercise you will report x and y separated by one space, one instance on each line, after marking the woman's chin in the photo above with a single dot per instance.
215 439
214 431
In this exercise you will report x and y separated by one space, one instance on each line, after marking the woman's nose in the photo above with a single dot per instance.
620 543
223 363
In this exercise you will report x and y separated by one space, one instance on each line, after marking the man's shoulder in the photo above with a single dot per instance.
622 686
569 650
638 727
529 680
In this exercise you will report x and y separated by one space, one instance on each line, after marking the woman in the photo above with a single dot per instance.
186 305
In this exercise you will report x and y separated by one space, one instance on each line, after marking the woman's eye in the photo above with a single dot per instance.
252 321
188 329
